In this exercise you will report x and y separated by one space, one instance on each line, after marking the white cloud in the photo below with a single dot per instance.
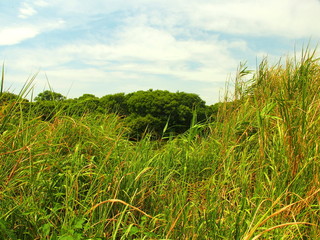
26 11
288 18
164 56
145 50
154 40
139 57
41 3
14 35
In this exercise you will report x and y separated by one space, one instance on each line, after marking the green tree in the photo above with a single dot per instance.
49 96
164 107
46 109
87 96
8 97
139 125
87 105
116 103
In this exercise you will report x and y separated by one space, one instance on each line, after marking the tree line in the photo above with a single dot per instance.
151 111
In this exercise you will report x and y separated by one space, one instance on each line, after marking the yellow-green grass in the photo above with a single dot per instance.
251 174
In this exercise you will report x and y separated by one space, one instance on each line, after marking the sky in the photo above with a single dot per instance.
109 46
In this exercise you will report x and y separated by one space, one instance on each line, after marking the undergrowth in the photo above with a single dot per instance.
253 173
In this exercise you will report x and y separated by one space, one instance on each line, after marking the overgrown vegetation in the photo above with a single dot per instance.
150 111
253 173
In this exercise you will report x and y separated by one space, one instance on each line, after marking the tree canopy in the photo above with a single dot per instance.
151 110
50 96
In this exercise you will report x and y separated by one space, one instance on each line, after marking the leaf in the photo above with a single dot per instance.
134 230
67 237
79 223
46 229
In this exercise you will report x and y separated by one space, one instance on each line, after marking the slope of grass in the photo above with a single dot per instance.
252 174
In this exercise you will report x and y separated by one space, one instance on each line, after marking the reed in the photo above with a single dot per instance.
251 174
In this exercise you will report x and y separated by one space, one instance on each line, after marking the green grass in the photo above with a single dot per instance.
251 174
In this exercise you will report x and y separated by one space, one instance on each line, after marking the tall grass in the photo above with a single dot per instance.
251 174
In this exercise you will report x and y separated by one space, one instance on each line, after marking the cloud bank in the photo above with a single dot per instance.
108 46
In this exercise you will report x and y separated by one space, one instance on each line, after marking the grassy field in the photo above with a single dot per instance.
251 174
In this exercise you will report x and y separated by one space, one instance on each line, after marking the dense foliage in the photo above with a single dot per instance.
251 172
144 111
49 96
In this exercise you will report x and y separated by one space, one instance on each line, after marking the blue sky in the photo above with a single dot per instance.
103 47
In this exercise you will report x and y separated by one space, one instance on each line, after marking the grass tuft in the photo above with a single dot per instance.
253 173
